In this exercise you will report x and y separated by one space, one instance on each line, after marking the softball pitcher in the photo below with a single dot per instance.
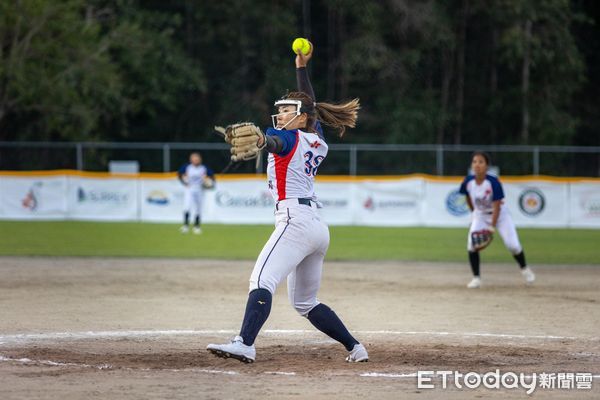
194 176
485 199
297 247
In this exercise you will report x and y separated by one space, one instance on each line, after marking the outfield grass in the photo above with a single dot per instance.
69 238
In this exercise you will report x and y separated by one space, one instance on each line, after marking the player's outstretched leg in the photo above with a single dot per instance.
197 229
474 261
186 223
509 235
528 274
242 347
327 321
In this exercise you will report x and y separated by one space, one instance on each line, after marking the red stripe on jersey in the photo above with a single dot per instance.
281 168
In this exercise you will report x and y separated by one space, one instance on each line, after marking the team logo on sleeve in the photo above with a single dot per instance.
532 202
456 204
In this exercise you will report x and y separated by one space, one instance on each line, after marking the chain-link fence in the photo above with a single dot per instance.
343 159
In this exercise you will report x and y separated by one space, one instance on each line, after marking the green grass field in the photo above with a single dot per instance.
548 246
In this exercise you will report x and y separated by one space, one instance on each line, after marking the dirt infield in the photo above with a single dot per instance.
76 328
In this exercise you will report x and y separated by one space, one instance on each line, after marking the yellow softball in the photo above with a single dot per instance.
301 45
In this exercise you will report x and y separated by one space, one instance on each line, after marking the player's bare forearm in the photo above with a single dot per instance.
495 212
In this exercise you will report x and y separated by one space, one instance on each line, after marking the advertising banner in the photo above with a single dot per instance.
161 200
338 202
538 203
33 197
584 207
405 201
102 199
388 203
444 206
246 201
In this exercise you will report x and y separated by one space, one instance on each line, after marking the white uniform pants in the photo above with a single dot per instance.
505 227
192 202
295 250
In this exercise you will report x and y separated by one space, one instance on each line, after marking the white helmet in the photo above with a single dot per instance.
287 102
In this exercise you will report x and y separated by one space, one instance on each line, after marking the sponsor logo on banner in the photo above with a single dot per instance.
101 196
334 203
371 204
226 199
456 203
590 202
158 198
532 202
31 200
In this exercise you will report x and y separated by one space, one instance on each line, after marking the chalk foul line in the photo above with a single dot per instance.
133 334
28 361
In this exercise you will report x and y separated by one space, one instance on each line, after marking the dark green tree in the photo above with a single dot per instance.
85 70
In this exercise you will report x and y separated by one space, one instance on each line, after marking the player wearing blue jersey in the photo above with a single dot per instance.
485 198
297 247
195 177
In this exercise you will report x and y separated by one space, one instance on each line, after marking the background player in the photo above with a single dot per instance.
297 247
485 199
195 177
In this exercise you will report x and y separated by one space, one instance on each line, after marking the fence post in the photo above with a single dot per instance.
536 160
439 160
166 157
79 155
353 160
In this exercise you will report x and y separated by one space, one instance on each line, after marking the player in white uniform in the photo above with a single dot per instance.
195 177
485 199
297 247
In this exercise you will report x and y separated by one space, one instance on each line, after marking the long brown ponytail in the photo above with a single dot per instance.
338 116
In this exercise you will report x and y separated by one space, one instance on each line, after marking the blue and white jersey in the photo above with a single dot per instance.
482 195
194 175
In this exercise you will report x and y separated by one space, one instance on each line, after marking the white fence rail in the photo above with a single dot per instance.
345 159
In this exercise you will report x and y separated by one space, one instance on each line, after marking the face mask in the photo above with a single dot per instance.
286 102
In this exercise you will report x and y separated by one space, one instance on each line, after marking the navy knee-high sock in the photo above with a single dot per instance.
197 221
325 320
186 218
521 259
258 309
474 260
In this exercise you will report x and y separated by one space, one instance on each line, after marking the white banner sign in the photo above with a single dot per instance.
443 205
33 197
338 202
161 200
246 201
108 199
419 201
386 203
538 203
584 205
